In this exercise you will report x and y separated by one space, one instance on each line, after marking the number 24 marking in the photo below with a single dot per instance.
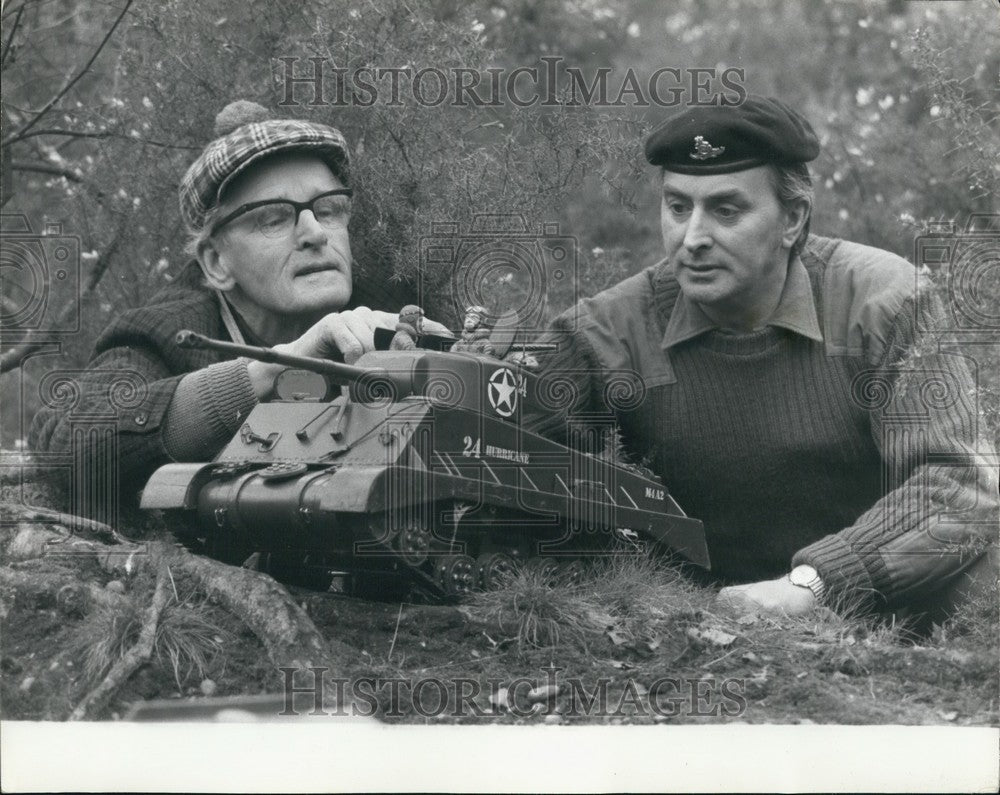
471 448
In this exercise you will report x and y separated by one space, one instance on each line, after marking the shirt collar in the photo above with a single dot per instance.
236 325
796 311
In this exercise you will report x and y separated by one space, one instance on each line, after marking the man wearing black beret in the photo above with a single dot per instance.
776 408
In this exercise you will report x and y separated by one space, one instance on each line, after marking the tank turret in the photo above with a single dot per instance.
423 473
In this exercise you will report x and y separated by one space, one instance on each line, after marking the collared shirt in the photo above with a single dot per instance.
796 311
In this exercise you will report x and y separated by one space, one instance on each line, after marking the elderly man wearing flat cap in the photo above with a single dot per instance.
775 405
267 206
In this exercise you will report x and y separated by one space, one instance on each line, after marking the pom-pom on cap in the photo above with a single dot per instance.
719 139
238 113
245 134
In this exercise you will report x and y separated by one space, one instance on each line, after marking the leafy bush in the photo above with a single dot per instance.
900 99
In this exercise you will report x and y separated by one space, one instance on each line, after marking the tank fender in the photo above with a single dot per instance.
349 489
176 486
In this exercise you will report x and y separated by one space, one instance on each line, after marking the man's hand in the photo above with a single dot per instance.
350 333
773 596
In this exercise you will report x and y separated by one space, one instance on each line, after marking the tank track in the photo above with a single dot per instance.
391 558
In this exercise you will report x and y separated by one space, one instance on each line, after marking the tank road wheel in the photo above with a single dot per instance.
413 543
494 569
546 569
456 574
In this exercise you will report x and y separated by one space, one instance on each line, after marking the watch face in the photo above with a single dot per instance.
803 575
808 577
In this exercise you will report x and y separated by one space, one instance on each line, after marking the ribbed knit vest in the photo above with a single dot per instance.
767 418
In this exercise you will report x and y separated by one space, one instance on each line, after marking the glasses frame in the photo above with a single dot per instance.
243 209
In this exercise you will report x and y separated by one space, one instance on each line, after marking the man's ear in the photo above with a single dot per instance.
215 267
795 219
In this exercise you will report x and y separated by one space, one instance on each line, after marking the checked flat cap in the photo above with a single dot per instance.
245 134
717 139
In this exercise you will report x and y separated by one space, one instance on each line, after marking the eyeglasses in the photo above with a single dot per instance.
278 217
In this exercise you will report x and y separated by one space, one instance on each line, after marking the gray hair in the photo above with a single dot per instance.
793 184
198 237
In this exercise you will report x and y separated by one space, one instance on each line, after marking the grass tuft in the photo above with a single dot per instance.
976 621
531 610
635 596
188 639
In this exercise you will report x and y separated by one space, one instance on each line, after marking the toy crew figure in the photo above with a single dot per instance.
475 337
522 359
409 327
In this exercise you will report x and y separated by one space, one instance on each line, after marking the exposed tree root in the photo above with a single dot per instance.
288 634
47 589
29 542
46 568
70 522
137 656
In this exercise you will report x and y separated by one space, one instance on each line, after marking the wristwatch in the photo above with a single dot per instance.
807 577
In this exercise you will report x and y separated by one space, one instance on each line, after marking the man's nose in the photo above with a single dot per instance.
309 231
697 235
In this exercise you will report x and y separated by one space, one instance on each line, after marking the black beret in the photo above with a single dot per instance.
718 139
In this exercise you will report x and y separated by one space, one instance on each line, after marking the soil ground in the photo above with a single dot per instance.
685 664
633 642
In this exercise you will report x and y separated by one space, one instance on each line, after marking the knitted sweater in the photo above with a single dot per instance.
796 445
142 401
131 381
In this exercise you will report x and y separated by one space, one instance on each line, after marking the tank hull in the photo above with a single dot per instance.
414 487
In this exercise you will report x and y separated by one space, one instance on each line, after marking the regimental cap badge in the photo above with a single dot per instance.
703 150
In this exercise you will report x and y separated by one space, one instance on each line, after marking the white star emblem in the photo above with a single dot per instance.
502 391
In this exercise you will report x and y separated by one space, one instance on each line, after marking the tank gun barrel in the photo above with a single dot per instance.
534 347
340 373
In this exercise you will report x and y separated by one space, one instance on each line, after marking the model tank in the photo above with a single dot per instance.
423 473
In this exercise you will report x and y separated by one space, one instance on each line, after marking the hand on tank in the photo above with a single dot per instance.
350 333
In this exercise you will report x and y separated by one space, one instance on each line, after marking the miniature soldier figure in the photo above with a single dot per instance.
408 328
522 359
475 336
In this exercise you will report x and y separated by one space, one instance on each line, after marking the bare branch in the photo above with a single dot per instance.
71 133
13 31
399 145
9 9
100 134
71 82
46 168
